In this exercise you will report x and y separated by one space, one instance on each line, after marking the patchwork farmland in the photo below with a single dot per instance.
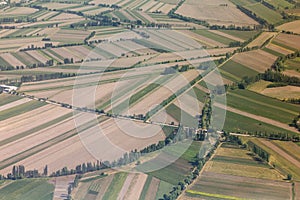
158 99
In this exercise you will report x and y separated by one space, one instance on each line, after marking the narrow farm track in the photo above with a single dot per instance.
281 152
256 117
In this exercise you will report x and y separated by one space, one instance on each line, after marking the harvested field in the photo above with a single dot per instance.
261 63
38 56
84 53
289 147
18 11
166 90
279 49
283 161
259 86
292 41
135 189
291 26
189 104
21 140
152 189
54 5
9 58
282 153
62 153
69 36
13 104
287 92
215 13
240 162
212 184
66 54
261 39
291 73
223 34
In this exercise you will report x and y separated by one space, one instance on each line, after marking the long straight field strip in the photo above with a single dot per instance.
95 186
264 12
176 171
214 36
44 126
28 189
262 106
236 71
282 161
140 94
245 35
289 147
4 63
39 147
232 160
223 186
238 123
6 99
283 4
260 10
166 42
20 109
115 186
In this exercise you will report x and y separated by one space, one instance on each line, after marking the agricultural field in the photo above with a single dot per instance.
232 168
263 60
27 189
134 86
291 26
215 12
280 157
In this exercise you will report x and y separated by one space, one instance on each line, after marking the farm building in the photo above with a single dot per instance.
7 88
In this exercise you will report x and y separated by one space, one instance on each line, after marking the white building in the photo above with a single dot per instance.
7 88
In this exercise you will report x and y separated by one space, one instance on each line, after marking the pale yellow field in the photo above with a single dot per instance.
213 12
287 92
18 11
291 26
261 39
259 86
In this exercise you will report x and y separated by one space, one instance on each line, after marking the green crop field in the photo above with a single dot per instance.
182 116
283 4
260 105
115 186
275 53
237 70
262 11
242 124
163 188
145 188
28 189
18 110
293 64
201 96
214 36
6 99
245 35
177 170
